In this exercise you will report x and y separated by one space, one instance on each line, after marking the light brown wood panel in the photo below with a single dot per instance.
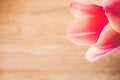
34 46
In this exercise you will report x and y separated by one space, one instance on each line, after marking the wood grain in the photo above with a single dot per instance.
33 45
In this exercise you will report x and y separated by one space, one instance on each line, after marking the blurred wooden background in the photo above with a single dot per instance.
33 45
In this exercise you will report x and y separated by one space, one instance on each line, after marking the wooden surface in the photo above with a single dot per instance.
33 45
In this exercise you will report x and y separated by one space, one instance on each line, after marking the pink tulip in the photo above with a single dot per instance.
97 25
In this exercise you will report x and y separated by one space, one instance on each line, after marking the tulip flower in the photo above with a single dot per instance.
97 25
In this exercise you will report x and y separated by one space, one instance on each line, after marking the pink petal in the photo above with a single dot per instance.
87 28
112 9
79 9
108 41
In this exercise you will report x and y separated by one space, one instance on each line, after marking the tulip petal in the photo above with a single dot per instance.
108 41
112 10
87 28
78 9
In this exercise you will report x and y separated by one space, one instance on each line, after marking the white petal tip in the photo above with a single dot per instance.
94 53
